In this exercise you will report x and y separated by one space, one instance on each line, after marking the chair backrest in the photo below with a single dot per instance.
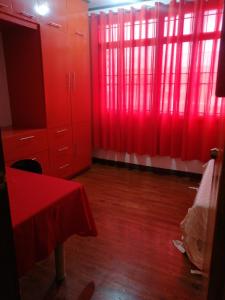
28 165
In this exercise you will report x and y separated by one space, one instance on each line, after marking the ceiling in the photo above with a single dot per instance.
95 4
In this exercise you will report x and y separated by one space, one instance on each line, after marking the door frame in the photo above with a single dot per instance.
216 284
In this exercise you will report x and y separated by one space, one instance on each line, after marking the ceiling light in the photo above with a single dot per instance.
42 9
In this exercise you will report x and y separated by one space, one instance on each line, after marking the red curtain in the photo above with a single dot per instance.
154 74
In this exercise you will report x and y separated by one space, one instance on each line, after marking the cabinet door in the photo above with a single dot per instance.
5 5
82 146
79 60
77 16
55 54
56 14
79 66
24 8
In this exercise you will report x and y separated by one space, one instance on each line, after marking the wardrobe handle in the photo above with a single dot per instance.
75 150
56 25
79 33
73 81
27 138
61 131
25 14
4 5
64 166
63 149
68 79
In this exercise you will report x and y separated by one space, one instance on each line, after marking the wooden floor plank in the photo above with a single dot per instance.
137 215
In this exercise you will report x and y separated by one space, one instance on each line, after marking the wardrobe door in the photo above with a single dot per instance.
77 16
79 66
56 79
82 146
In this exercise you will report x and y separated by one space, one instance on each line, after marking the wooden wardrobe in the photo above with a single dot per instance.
46 49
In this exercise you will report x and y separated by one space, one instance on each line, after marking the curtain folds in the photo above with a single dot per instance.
154 74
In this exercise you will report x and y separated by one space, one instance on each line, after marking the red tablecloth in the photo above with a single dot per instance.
45 212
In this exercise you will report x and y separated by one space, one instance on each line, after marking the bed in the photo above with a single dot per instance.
194 225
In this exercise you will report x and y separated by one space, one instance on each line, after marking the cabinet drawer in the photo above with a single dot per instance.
61 161
60 137
22 145
64 170
41 157
60 156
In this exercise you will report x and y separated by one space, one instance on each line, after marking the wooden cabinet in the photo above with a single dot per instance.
25 8
80 103
79 60
22 49
19 143
61 156
26 144
57 13
51 79
79 70
60 137
5 5
61 162
82 146
77 17
80 77
56 80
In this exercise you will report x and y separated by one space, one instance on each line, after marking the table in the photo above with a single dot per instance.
45 212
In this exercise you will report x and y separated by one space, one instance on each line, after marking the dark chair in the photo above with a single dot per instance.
28 165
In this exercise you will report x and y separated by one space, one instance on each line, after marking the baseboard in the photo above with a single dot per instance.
160 171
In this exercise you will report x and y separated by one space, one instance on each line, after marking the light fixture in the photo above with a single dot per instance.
42 9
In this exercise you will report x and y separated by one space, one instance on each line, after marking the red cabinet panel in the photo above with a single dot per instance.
77 17
54 52
23 143
62 149
57 13
79 64
82 146
60 137
61 161
60 143
25 8
64 171
5 5
80 78
79 70
61 156
22 49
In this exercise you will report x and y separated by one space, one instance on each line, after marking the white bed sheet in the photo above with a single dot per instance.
194 225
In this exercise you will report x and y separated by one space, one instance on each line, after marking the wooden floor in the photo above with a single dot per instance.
137 214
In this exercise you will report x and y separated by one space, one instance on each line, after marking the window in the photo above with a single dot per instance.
135 53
